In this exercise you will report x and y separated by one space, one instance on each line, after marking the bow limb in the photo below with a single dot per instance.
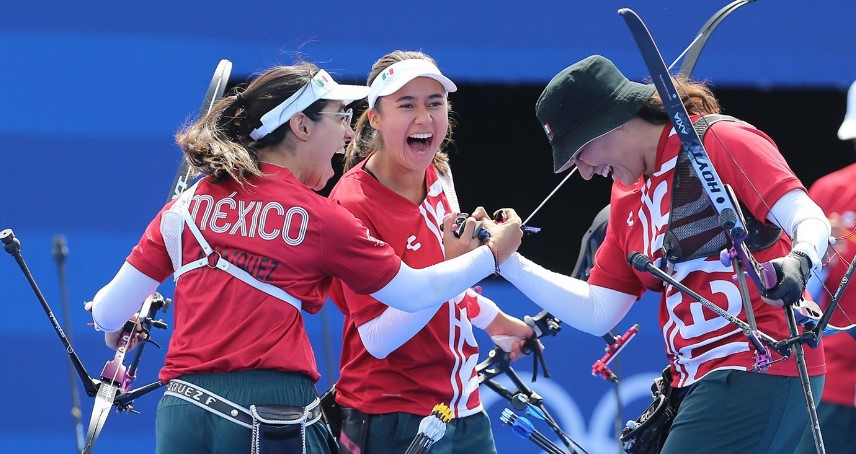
693 51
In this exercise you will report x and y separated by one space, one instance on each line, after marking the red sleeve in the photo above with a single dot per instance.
149 255
611 269
751 164
352 254
361 307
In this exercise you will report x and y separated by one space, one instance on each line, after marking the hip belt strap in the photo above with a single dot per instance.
225 408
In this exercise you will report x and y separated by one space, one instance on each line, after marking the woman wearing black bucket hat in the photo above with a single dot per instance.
605 124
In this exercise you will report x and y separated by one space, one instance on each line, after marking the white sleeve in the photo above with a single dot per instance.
121 298
488 310
383 334
804 222
412 290
589 308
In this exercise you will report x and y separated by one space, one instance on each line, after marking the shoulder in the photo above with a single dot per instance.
736 131
351 190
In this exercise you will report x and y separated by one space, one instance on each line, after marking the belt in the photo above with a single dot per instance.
227 409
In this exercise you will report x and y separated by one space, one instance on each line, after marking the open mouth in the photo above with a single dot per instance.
420 143
606 172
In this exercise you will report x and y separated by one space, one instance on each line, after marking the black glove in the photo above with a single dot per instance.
792 273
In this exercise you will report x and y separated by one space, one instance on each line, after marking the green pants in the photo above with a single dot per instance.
838 425
393 432
741 412
184 428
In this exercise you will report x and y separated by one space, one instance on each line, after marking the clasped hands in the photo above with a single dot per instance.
504 228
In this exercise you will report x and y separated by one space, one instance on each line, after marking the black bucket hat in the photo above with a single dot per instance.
585 101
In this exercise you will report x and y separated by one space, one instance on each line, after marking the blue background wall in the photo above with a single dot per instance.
94 91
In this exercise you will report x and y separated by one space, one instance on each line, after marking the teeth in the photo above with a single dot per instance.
426 135
606 170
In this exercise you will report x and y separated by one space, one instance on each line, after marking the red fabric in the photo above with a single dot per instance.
836 194
438 363
697 341
223 324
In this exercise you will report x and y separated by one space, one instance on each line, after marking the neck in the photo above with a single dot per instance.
646 138
408 183
281 156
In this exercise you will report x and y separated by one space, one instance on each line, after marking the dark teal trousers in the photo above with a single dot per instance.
184 428
741 412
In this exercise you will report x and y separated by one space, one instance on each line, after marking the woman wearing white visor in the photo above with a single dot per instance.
251 246
396 366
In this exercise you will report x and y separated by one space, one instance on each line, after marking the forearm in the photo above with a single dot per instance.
588 308
392 329
413 290
123 296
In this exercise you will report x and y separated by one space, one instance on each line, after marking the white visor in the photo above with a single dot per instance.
322 86
397 75
847 130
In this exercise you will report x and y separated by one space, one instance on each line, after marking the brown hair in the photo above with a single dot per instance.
367 138
218 143
696 96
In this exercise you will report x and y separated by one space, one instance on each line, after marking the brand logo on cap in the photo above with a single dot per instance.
388 73
548 130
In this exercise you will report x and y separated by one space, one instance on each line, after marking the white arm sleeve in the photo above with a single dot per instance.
121 298
383 334
391 329
589 308
804 222
488 310
412 290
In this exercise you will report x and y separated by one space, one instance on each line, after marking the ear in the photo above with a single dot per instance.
374 119
301 126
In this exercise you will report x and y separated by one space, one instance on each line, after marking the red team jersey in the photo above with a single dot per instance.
281 233
698 341
836 194
438 363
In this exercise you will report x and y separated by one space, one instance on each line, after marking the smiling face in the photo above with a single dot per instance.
412 122
328 136
611 155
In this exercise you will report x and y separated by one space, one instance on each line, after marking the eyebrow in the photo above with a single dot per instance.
413 98
339 105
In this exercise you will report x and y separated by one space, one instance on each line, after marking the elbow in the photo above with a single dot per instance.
373 345
600 330
375 351
380 354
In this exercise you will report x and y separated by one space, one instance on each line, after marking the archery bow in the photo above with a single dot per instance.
114 388
216 88
693 51
498 362
730 218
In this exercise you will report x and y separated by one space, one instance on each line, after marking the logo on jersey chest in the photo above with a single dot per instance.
412 244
